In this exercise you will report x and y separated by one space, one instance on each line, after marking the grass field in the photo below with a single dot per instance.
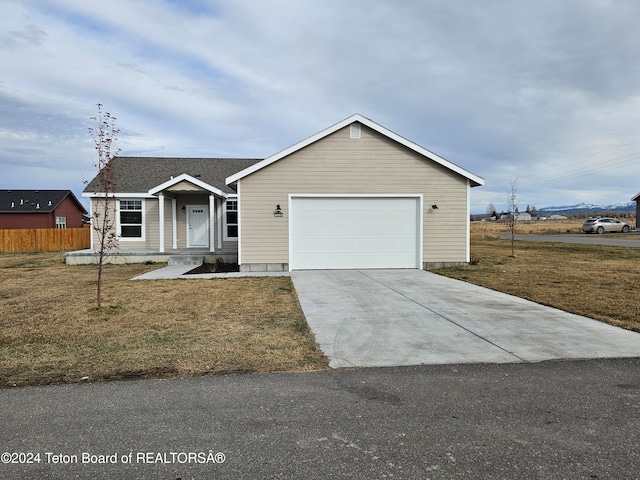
595 281
51 332
482 230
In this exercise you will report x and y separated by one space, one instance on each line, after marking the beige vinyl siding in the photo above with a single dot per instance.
338 164
168 224
181 220
184 186
228 244
97 206
150 225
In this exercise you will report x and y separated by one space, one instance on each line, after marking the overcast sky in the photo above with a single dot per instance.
545 90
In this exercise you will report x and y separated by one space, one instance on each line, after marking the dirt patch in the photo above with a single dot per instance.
214 268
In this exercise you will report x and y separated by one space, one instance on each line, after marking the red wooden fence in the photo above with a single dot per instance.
44 239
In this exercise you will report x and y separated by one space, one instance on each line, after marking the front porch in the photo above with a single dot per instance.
193 256
183 221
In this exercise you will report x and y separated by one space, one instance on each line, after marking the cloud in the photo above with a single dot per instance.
497 87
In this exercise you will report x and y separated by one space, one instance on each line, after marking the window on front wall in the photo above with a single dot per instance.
131 219
231 218
61 222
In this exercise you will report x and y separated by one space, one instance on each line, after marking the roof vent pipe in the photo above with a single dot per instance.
37 206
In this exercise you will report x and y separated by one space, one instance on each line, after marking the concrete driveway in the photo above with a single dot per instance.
372 318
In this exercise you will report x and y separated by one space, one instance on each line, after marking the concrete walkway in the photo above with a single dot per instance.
411 317
179 272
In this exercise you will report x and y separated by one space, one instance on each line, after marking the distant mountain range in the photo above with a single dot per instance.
590 208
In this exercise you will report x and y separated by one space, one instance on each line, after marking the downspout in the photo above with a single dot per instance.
161 221
212 204
219 220
174 223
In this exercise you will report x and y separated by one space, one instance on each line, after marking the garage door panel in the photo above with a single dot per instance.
354 232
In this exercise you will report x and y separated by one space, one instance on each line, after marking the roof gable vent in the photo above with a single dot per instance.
354 130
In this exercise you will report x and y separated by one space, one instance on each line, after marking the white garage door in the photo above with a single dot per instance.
354 232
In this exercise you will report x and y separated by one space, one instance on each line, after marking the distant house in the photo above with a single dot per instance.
636 199
558 217
523 217
40 209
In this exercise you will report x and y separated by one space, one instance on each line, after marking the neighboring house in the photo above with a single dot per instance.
20 209
637 200
354 195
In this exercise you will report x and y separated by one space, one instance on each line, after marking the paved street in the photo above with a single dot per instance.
569 419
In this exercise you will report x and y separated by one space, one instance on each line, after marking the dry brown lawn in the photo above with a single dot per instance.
594 281
51 331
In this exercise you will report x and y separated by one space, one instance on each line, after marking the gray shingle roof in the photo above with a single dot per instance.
141 174
36 201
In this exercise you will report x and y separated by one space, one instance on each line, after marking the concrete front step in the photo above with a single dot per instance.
186 260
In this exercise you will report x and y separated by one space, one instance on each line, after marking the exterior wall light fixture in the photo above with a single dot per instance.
434 206
278 211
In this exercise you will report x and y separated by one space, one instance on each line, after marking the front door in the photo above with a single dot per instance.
197 226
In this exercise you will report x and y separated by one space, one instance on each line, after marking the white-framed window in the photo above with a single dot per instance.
61 222
231 219
131 220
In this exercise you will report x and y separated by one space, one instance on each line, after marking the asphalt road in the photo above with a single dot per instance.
607 239
552 420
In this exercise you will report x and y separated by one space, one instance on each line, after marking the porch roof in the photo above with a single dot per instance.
186 183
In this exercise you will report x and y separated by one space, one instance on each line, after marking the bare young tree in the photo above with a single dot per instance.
104 135
512 212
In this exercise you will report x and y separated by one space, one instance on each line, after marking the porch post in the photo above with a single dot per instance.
161 218
212 201
219 220
174 223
